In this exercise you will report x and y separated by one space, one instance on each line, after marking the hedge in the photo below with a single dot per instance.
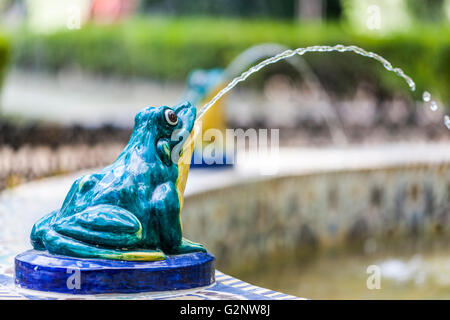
169 48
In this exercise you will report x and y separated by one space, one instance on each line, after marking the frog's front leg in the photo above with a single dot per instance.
166 206
188 246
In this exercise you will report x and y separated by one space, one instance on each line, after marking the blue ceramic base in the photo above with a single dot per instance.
39 270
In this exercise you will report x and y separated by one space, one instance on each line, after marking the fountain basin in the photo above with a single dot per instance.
358 194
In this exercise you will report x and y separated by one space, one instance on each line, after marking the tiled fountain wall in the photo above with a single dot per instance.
246 221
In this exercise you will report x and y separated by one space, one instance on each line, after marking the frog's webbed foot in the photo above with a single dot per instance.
102 231
187 246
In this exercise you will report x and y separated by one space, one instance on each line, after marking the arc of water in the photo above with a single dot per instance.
301 51
265 50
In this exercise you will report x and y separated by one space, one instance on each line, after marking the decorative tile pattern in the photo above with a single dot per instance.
225 288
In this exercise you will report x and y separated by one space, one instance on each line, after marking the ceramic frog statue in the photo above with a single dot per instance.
130 210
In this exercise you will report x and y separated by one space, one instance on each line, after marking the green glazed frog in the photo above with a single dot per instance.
130 210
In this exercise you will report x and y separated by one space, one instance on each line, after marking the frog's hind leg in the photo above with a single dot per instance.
57 243
102 231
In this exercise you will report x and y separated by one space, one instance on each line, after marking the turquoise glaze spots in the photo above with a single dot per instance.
131 209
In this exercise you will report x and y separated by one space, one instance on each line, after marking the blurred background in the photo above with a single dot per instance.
75 72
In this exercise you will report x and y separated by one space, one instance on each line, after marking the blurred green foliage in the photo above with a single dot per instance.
431 10
4 50
169 48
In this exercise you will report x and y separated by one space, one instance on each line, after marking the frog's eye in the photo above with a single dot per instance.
171 117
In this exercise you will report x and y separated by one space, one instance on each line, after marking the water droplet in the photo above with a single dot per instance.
433 106
447 121
426 96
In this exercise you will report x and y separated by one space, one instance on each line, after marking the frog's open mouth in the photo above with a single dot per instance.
186 113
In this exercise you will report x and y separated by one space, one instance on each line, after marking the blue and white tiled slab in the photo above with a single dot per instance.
225 288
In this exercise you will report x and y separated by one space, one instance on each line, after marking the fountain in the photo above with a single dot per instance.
91 237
